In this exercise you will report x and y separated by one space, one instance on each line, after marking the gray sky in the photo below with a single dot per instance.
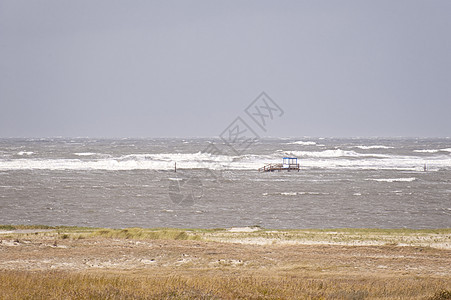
189 68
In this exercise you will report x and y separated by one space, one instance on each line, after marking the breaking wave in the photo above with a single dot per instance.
332 153
432 150
163 161
85 154
374 147
427 151
22 153
327 159
410 179
309 143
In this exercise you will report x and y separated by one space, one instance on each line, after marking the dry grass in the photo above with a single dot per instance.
135 263
67 285
145 234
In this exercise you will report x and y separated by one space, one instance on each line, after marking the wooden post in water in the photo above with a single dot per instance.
175 167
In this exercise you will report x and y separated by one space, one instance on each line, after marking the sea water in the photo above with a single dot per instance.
358 182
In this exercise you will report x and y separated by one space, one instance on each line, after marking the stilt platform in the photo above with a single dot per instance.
289 164
279 167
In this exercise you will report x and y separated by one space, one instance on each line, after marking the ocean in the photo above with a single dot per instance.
342 183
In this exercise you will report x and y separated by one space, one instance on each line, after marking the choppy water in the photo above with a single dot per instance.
123 183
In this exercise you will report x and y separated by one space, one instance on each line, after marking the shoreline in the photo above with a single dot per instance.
439 238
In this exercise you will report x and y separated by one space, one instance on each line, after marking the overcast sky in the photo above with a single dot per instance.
189 68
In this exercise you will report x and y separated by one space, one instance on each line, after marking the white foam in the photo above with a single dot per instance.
21 153
176 179
374 147
288 193
331 153
312 193
427 151
432 150
410 179
163 161
85 154
309 143
326 159
408 163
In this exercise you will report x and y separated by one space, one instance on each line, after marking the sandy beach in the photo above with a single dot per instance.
84 263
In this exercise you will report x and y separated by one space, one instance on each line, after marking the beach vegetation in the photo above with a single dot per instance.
152 234
220 285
